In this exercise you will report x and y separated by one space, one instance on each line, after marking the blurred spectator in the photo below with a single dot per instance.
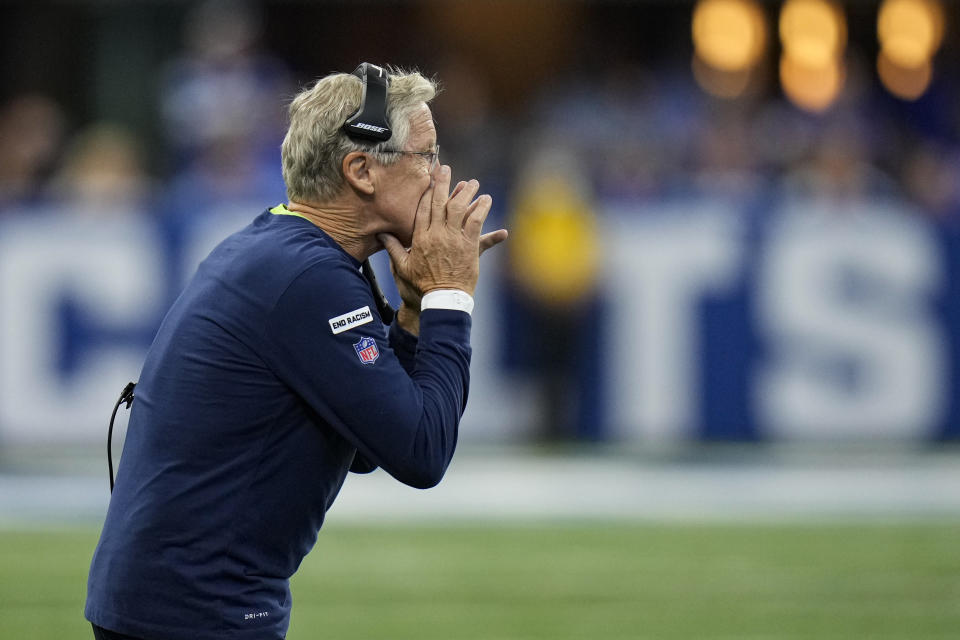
224 111
31 134
931 176
224 86
103 173
784 136
725 157
472 136
554 251
226 176
614 119
840 167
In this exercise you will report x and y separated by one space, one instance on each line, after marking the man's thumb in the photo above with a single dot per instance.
394 249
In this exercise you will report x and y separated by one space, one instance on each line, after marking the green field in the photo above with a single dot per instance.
556 582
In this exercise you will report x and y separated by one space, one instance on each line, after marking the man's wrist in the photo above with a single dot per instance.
454 299
408 319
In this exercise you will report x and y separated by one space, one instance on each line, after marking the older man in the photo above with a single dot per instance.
273 374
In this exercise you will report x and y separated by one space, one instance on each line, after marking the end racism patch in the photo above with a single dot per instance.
351 319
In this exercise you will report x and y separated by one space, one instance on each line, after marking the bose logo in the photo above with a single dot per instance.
370 127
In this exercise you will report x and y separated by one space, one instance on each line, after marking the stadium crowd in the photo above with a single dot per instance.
639 129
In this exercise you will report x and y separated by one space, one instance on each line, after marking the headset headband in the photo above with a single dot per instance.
369 122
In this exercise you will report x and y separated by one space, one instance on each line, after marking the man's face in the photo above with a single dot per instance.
408 178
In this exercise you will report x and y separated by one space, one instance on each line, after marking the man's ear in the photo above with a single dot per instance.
356 170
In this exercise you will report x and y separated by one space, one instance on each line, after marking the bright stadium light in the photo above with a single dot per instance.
813 32
729 35
811 88
814 36
907 83
910 31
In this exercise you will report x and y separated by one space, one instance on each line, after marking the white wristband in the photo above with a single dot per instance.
454 299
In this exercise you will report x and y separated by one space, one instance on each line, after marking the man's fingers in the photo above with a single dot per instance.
421 221
398 255
476 214
492 239
441 188
457 189
460 201
467 193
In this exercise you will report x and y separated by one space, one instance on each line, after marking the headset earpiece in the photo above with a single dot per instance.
369 122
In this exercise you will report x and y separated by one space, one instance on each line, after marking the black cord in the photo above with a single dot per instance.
125 396
383 307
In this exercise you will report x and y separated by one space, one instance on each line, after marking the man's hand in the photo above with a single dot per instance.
446 243
409 294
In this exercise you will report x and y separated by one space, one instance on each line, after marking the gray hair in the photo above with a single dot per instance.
315 146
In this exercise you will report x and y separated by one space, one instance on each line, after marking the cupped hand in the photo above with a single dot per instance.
446 244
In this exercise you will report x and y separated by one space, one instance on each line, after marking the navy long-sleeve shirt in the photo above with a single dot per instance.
269 377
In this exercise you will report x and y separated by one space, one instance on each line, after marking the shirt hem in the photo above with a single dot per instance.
148 631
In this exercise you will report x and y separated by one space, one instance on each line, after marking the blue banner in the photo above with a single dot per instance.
785 320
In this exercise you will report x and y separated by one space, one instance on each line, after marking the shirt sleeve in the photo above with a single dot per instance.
402 419
404 344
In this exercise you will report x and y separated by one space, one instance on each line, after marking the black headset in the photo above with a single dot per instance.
369 121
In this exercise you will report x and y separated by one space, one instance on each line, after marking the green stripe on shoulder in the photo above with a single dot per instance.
281 210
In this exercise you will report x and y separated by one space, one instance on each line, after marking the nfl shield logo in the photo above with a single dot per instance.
367 350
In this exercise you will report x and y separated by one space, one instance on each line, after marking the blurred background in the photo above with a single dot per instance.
730 293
